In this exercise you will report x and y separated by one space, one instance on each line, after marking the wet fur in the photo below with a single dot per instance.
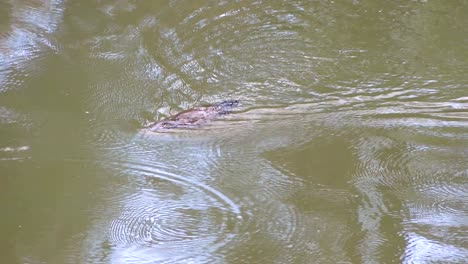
194 117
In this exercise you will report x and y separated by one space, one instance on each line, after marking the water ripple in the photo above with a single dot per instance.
423 249
174 213
14 153
27 39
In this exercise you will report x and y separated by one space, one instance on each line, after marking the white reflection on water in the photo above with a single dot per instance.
420 249
29 35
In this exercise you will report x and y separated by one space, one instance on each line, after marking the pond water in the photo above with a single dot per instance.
350 144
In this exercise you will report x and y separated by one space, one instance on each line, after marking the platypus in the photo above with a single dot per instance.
194 117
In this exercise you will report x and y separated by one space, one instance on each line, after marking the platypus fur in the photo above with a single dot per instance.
194 117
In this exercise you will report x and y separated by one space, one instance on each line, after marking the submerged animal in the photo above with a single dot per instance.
194 117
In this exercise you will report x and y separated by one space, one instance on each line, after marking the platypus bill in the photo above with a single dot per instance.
194 117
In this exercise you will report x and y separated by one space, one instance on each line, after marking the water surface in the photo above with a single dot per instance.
349 146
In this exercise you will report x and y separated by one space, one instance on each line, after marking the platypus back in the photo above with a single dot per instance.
228 103
194 117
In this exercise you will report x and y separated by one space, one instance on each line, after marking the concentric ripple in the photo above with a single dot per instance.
174 213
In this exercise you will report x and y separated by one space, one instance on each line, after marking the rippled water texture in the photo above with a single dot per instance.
350 144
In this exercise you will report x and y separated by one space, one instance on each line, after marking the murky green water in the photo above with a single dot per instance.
350 145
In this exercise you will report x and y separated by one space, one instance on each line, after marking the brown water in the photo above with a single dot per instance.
350 145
